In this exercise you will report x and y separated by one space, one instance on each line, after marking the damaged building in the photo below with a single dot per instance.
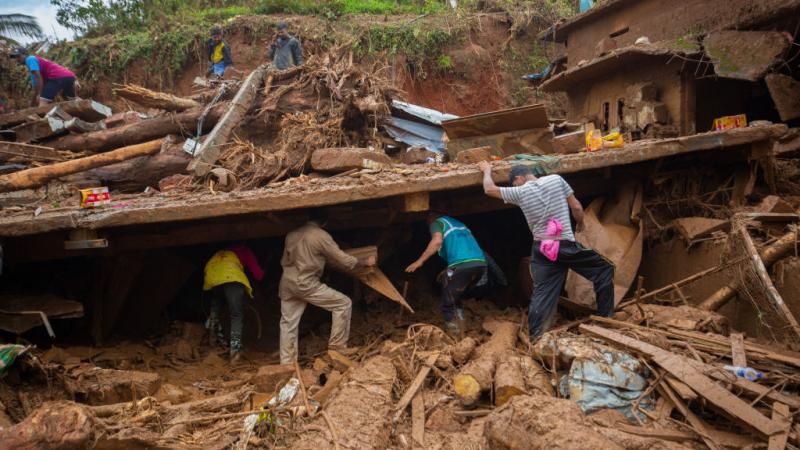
696 208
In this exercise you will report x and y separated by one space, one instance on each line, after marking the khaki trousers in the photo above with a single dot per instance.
292 306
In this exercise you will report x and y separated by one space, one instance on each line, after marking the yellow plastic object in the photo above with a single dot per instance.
613 140
594 140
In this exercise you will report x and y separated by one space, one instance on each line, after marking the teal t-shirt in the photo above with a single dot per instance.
459 245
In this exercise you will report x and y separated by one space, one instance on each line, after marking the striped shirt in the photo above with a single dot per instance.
541 200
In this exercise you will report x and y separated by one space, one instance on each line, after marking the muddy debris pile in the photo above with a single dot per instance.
653 376
230 135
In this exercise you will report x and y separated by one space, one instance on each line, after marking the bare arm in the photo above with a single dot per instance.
489 187
577 211
433 246
37 89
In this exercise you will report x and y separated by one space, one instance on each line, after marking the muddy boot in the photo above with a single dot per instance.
453 329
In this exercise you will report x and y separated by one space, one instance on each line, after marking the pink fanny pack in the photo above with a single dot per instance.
549 247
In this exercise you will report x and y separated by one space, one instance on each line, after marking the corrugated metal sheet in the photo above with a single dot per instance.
416 134
429 115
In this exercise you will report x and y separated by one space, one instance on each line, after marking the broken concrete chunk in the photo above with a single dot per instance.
785 92
344 159
574 142
270 378
417 155
744 55
473 155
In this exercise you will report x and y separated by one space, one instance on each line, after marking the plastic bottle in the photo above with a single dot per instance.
747 373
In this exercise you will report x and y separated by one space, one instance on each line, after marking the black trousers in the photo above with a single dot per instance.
549 277
454 283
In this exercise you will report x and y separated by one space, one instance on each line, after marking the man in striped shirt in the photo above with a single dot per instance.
545 201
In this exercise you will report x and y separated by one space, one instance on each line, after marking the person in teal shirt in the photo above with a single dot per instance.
466 264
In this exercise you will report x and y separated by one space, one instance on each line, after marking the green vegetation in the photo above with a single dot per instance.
444 63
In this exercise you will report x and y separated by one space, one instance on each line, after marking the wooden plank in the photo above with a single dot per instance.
699 425
681 388
677 366
781 414
737 350
211 149
415 385
375 278
29 152
418 421
521 118
296 196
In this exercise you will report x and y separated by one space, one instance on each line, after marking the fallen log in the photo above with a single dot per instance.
88 110
508 381
135 133
138 173
39 129
38 176
478 374
358 412
769 256
153 99
210 150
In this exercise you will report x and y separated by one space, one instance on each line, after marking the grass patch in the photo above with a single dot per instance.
336 8
420 44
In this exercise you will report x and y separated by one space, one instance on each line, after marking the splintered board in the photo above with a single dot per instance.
374 276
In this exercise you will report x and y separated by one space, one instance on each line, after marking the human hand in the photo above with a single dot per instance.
413 266
372 260
484 166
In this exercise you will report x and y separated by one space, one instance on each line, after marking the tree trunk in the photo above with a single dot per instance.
136 174
211 149
38 176
477 375
153 99
57 425
135 133
508 380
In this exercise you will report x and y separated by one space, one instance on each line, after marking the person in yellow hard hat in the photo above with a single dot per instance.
225 278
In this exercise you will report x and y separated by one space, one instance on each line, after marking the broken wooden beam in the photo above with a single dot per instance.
153 99
375 278
27 152
781 414
38 176
769 256
344 159
478 374
678 367
88 110
135 133
39 129
737 350
208 152
415 385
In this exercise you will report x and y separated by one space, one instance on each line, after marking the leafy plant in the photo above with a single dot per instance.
444 63
19 25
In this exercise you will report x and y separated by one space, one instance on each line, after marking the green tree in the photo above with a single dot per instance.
19 25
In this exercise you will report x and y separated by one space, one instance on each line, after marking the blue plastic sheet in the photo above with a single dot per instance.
612 381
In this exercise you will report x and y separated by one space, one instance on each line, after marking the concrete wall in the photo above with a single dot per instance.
664 21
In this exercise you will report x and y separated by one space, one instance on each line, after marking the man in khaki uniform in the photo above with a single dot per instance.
307 250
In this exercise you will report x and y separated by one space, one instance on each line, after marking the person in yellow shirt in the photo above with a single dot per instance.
219 53
225 279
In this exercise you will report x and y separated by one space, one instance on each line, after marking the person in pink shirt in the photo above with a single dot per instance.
47 78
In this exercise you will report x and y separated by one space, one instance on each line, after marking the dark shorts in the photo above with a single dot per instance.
51 88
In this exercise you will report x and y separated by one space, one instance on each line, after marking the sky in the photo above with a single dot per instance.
44 12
